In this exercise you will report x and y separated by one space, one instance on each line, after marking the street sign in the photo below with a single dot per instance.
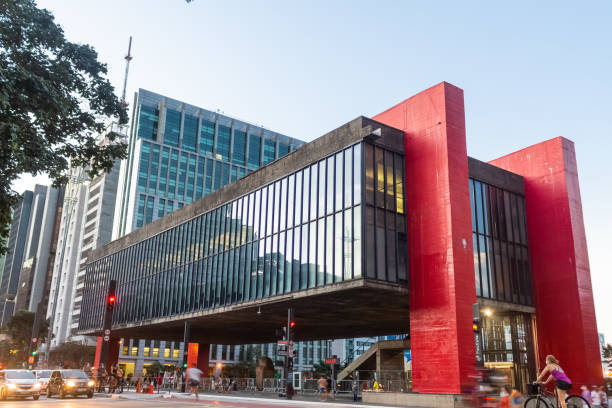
331 361
107 332
106 338
34 339
282 342
31 360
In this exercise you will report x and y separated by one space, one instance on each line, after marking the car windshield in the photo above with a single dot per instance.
74 374
19 375
43 374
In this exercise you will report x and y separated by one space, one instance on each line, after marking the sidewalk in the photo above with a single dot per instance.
298 400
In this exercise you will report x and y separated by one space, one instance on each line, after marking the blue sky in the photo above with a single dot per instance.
530 71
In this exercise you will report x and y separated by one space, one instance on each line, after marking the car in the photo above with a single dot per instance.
70 382
43 378
18 384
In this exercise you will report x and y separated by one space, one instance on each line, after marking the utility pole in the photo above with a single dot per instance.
111 300
289 355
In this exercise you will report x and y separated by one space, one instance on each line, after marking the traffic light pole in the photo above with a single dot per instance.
289 354
185 354
111 298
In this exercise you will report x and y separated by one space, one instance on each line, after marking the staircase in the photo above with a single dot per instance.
374 353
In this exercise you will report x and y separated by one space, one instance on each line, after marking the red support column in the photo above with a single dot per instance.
442 283
565 313
98 351
198 354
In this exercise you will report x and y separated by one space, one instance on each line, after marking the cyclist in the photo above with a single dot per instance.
556 372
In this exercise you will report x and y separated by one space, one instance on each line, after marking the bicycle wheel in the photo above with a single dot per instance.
576 401
536 401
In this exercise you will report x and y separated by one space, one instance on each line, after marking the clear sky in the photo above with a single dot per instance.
530 70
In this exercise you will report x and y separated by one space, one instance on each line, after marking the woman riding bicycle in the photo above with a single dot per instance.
556 372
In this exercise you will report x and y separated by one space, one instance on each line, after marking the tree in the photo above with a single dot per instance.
606 351
19 328
54 101
71 354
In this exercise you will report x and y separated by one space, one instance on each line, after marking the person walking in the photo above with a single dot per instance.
355 389
555 372
595 397
322 387
194 375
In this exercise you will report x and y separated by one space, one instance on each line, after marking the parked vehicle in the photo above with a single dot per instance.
70 382
42 376
18 384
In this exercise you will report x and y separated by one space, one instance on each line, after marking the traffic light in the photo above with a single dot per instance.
281 334
35 352
112 299
185 364
290 363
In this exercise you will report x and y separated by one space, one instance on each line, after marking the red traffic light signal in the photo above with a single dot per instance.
292 324
111 300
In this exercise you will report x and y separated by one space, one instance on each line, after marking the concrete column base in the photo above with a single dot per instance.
401 399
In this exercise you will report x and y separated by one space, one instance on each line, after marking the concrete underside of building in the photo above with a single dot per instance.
335 311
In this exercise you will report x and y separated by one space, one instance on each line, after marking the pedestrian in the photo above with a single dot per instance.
355 389
555 372
194 375
586 394
504 398
159 380
322 388
595 397
515 398
376 386
604 397
329 389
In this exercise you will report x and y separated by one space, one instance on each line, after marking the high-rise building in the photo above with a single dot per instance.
179 153
29 249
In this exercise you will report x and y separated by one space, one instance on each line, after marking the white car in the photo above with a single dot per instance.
18 384
43 378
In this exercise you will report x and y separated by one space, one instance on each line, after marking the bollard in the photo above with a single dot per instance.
138 386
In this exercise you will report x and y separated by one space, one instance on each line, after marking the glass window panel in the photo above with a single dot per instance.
298 197
225 175
208 179
288 260
381 267
485 210
338 232
330 186
473 205
207 137
290 200
283 149
399 183
163 173
191 178
190 133
295 279
233 174
484 266
369 173
357 174
380 177
283 204
148 122
254 151
357 242
267 267
276 207
173 127
304 258
182 177
370 254
348 177
339 188
305 194
161 208
143 168
218 172
239 149
264 211
320 264
199 187
312 256
223 143
154 169
477 265
348 244
257 215
390 184
269 151
320 198
282 260
314 196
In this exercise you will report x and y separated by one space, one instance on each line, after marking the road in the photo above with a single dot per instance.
145 401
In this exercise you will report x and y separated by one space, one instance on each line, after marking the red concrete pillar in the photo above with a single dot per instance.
98 352
442 283
198 354
565 313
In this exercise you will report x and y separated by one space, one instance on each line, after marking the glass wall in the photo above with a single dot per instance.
501 253
302 231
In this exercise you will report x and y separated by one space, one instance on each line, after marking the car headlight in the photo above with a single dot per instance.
91 383
12 386
70 384
36 386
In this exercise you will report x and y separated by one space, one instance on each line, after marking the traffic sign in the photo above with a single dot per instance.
332 360
34 339
107 332
106 338
282 342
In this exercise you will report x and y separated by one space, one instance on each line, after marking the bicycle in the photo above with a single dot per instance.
540 398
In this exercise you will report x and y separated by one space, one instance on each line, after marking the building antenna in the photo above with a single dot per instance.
128 58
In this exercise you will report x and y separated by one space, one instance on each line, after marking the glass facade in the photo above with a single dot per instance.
179 153
302 231
501 253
